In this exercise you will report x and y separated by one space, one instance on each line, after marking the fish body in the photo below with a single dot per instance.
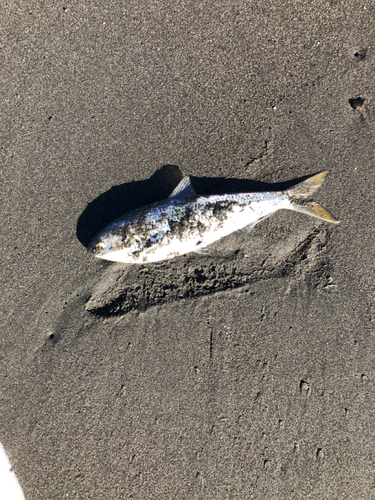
186 222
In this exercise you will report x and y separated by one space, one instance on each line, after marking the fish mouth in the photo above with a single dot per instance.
96 246
104 243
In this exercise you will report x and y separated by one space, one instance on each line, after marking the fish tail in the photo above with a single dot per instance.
305 189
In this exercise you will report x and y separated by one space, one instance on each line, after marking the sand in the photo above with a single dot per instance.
244 374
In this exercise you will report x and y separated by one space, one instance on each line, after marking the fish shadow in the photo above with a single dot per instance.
119 200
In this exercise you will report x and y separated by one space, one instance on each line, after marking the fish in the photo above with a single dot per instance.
187 222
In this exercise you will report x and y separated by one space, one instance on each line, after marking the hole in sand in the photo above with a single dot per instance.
360 54
357 103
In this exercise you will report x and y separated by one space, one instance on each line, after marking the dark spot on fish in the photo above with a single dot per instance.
220 210
148 243
202 227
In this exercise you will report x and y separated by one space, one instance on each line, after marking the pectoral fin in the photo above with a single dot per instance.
202 251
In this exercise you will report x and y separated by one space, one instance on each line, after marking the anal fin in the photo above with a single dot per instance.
248 228
251 226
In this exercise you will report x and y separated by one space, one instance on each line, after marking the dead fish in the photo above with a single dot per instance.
186 222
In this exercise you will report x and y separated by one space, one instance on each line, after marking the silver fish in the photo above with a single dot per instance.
186 222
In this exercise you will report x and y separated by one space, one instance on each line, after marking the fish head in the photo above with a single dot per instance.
107 242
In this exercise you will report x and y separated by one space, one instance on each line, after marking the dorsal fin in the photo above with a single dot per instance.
183 190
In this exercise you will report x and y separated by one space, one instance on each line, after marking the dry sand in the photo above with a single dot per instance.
244 374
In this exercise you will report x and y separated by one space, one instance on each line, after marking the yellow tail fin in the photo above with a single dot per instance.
315 210
308 187
304 190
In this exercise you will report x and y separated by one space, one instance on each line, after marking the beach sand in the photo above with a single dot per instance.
244 374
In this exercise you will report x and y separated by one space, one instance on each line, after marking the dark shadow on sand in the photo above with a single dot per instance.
121 199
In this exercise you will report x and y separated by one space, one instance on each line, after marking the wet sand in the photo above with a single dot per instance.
247 373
